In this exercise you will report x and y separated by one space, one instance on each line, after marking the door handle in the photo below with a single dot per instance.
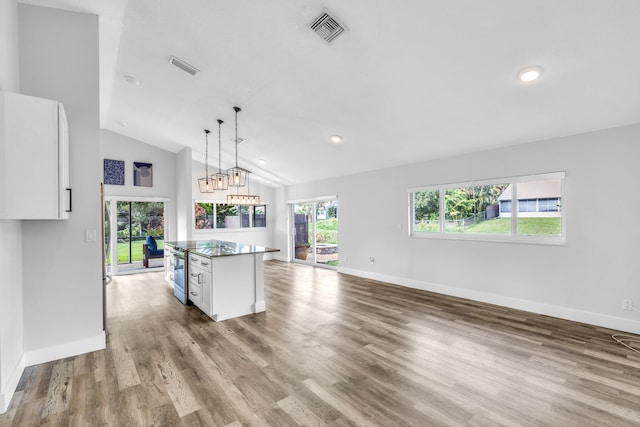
70 200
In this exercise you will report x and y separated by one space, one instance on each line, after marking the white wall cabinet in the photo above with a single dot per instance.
34 158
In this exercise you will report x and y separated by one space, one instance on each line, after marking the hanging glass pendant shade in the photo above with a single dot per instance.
206 184
220 179
237 175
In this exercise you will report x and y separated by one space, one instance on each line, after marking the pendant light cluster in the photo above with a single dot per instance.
233 177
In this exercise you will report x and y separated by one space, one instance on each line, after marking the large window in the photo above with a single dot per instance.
517 208
212 215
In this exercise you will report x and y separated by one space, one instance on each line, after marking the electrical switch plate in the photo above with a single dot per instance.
90 236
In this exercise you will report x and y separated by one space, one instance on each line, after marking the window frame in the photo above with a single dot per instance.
513 236
215 228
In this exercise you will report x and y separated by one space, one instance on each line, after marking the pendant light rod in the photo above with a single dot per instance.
206 151
206 184
237 110
237 175
220 122
220 180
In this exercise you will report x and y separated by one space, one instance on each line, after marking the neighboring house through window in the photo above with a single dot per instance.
536 199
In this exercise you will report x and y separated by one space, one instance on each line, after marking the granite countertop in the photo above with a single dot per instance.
217 248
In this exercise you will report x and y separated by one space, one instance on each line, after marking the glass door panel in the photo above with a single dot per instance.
326 226
124 232
303 232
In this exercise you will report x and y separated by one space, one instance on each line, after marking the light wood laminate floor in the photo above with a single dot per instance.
333 350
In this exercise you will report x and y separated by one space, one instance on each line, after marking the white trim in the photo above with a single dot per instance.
567 313
8 389
68 349
229 230
136 271
501 180
259 306
493 237
313 199
136 199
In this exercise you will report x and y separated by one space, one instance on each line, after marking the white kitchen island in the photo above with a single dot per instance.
225 279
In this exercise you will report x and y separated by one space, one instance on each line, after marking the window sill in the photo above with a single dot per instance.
229 230
527 240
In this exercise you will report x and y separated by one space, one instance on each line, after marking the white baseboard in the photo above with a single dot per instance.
273 256
9 388
259 306
561 312
68 349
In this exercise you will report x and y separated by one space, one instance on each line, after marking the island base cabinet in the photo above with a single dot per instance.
228 286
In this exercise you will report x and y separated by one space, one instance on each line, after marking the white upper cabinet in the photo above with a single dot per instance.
34 158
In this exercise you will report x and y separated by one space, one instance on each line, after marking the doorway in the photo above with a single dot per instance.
315 232
128 223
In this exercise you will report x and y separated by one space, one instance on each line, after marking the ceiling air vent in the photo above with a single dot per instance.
184 66
327 26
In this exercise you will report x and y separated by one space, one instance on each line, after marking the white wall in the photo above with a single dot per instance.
11 312
263 237
119 147
585 280
58 53
184 217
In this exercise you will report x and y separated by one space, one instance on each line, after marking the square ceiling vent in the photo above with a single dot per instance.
327 26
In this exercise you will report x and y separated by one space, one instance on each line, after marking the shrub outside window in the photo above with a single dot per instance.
218 216
484 209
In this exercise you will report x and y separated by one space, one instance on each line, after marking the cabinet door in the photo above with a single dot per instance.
168 265
194 288
206 291
65 201
32 179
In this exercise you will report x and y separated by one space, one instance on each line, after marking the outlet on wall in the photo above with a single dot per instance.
371 260
627 304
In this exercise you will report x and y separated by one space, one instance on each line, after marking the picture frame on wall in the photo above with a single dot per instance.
142 174
113 172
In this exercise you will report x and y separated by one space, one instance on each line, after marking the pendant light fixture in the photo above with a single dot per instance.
237 175
206 184
221 180
243 199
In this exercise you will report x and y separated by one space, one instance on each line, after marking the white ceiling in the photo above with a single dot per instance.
408 81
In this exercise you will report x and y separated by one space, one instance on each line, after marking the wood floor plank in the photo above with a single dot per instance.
332 350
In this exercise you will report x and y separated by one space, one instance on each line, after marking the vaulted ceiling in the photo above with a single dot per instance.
406 82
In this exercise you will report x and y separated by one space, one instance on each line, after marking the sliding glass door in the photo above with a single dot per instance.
129 224
315 232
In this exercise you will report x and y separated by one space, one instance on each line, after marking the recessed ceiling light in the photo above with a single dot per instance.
262 161
123 124
132 80
530 74
336 139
